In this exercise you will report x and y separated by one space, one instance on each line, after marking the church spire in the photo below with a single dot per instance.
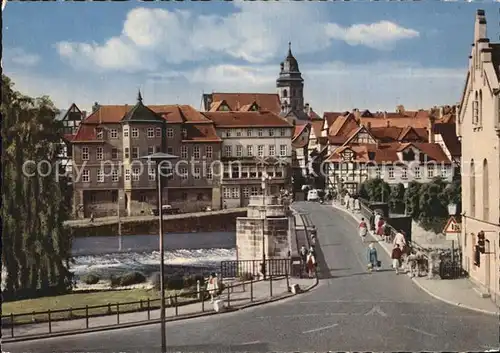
139 96
289 48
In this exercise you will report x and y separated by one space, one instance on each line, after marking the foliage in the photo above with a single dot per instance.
396 199
375 190
131 278
298 179
90 278
36 247
412 199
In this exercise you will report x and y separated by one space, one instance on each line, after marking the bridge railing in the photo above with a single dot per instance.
247 268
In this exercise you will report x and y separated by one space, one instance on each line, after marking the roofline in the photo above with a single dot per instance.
250 126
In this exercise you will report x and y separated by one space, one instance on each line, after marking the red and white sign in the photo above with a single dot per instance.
452 227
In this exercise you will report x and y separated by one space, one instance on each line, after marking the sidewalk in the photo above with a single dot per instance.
238 299
459 292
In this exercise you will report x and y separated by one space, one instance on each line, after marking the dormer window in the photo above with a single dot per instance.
254 108
409 155
347 155
224 108
99 133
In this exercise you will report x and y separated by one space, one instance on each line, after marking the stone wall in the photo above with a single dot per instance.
225 222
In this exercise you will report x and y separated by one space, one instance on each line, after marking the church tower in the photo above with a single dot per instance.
290 85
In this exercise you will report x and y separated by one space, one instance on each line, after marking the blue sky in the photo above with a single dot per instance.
352 55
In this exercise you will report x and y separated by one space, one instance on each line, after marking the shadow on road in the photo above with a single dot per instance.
323 271
222 348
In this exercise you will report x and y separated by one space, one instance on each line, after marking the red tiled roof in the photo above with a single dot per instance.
69 137
449 135
416 119
86 133
317 127
332 116
393 133
387 152
201 133
247 119
299 139
265 101
216 105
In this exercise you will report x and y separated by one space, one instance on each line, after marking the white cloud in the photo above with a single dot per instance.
332 86
256 33
20 57
381 35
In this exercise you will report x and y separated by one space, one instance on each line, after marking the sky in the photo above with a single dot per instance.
365 55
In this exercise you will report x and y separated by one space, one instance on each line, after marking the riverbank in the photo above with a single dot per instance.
213 221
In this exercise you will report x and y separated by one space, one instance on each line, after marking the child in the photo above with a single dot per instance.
396 258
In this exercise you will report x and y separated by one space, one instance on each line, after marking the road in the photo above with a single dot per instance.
351 310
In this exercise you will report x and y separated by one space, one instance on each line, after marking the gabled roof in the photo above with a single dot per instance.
201 133
356 132
301 136
265 101
246 119
450 139
141 113
393 133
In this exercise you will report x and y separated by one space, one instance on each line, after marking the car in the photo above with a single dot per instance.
312 195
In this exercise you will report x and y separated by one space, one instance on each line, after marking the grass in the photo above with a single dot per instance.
78 301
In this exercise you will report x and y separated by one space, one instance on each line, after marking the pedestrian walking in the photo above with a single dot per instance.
376 221
303 259
311 263
396 258
357 207
380 227
363 229
347 199
92 218
399 239
213 286
373 262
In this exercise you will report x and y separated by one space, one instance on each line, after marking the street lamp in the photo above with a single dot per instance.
265 179
119 222
158 158
452 209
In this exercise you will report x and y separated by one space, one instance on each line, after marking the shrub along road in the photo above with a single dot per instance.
351 310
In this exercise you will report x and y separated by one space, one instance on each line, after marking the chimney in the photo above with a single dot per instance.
388 123
430 129
369 125
480 26
400 109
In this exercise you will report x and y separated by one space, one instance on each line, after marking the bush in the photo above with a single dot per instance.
131 278
115 280
247 276
174 282
90 278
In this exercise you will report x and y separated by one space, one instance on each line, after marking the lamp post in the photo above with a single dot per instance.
265 178
452 211
158 158
119 222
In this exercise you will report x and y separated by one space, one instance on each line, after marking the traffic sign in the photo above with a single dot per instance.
452 227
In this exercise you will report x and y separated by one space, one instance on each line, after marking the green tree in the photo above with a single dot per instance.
375 190
396 199
36 247
433 204
412 199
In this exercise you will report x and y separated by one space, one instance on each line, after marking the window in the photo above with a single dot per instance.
249 132
114 153
126 152
239 151
282 132
430 171
391 172
86 176
271 132
238 133
113 133
99 133
184 152
114 176
196 152
170 150
127 174
260 150
152 173
151 132
184 173
417 172
209 151
249 150
125 131
404 172
444 171
170 133
227 193
228 133
272 150
85 153
378 173
143 198
99 153
158 132
184 134
151 150
228 151
235 193
135 174
197 173
283 150
260 132
246 192
209 174
135 132
135 152
100 176
254 191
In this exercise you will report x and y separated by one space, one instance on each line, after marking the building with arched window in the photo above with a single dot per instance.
478 126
